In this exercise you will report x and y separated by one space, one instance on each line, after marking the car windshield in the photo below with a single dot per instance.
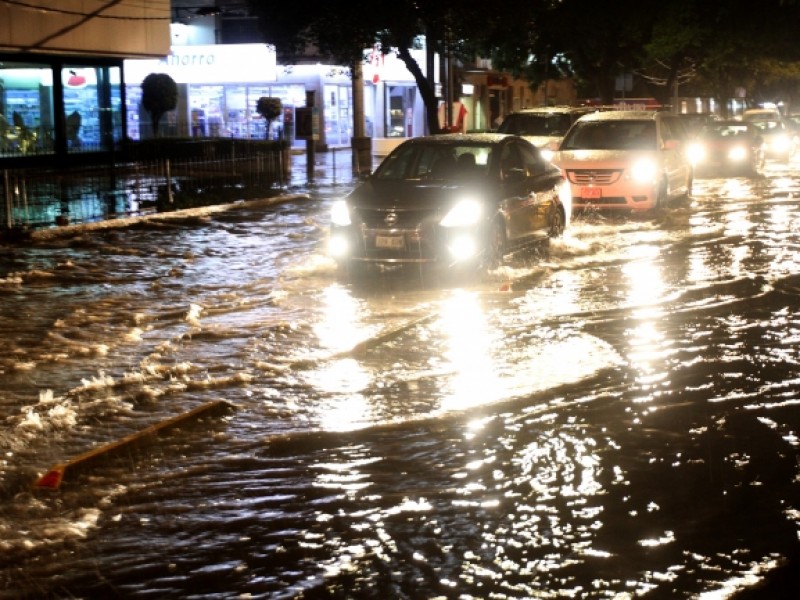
611 135
535 124
769 126
725 131
435 161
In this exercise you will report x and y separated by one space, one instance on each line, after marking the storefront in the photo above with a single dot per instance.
219 87
59 105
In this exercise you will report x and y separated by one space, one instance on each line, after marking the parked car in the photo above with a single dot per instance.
453 201
728 147
780 140
633 160
544 127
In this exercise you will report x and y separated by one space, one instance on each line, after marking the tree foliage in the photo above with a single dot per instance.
710 45
713 44
269 108
159 95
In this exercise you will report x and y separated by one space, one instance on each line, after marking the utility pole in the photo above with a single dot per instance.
311 154
361 144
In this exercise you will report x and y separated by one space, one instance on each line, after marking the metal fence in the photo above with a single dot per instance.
44 197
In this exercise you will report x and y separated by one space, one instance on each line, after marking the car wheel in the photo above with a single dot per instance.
557 222
496 246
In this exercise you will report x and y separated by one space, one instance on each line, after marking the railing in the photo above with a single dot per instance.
37 197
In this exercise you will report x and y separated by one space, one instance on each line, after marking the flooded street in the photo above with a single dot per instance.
616 418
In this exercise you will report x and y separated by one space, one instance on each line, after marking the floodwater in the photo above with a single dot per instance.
614 418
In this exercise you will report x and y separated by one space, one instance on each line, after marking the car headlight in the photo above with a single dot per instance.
338 246
465 213
696 153
463 247
547 154
644 170
737 153
340 214
780 143
565 196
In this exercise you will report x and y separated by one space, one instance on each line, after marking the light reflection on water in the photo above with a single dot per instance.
599 430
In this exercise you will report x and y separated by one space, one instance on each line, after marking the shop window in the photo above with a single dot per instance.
338 115
92 107
400 112
26 109
206 110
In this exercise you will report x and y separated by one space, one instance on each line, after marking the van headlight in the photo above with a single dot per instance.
465 213
340 214
644 170
696 153
781 143
737 154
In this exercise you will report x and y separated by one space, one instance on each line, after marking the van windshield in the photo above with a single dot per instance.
612 135
535 124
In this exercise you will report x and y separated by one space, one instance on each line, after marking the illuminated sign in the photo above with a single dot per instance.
224 63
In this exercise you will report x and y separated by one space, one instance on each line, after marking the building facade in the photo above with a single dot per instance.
61 72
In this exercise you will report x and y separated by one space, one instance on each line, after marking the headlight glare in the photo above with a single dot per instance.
780 143
644 171
463 247
340 214
737 153
565 196
465 213
338 246
696 153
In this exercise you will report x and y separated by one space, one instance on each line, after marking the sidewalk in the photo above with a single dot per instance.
332 168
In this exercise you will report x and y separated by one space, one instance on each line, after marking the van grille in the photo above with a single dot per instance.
593 176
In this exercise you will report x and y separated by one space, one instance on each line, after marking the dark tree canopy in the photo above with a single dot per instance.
159 95
714 45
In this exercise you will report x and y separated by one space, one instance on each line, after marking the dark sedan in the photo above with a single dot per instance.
450 201
728 148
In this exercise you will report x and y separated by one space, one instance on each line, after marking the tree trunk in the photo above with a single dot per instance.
425 89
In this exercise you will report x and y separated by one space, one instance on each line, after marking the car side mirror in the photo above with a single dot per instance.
515 175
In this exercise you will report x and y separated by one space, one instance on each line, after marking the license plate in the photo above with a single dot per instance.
390 242
592 193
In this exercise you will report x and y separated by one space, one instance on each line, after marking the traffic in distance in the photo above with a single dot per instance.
461 203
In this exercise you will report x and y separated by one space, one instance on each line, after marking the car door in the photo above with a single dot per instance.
676 164
517 204
543 184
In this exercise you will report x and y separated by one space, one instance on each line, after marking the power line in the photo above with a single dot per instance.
60 11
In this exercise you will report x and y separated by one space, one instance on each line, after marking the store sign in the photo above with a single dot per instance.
225 63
